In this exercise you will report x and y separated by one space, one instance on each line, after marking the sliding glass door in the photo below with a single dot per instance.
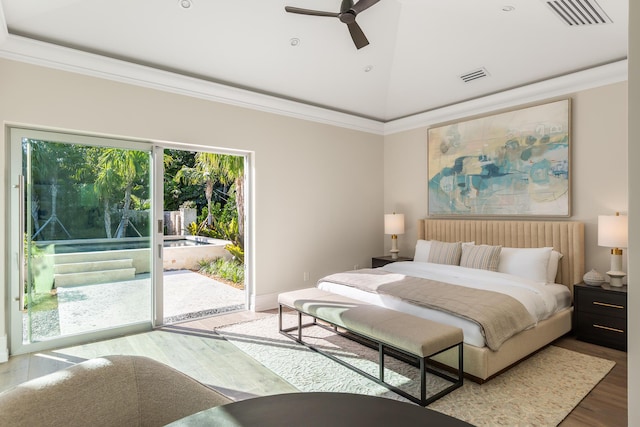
109 237
80 236
203 218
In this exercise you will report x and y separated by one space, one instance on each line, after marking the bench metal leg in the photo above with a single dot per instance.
298 327
381 360
422 362
423 379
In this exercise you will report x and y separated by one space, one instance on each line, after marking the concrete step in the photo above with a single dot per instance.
96 256
83 267
93 277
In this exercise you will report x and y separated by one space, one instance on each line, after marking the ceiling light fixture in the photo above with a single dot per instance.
294 41
185 4
508 8
368 68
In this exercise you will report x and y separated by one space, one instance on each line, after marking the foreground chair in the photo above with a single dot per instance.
107 391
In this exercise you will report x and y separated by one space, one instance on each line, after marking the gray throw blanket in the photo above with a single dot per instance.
500 316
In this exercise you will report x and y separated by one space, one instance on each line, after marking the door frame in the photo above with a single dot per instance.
158 224
14 238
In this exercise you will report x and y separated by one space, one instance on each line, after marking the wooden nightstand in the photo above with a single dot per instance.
380 261
600 315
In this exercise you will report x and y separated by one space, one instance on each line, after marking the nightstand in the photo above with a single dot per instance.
380 261
600 315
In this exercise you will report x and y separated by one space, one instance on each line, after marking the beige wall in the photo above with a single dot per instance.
318 188
307 174
633 321
599 169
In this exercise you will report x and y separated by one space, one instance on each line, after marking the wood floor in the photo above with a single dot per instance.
194 349
606 405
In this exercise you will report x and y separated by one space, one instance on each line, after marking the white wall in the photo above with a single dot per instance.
318 194
599 169
633 322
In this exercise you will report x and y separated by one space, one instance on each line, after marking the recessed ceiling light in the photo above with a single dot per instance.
185 4
508 8
368 68
294 41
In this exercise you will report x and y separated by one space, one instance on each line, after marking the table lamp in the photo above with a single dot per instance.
613 233
394 225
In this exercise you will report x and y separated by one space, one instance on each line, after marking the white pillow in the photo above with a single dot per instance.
552 268
530 263
423 247
422 250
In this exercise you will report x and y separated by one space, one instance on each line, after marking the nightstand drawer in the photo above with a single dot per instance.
603 330
602 303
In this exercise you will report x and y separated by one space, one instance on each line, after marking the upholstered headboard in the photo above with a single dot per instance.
566 237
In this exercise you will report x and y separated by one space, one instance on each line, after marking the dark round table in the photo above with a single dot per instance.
319 409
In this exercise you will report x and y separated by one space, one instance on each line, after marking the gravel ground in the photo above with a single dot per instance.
44 324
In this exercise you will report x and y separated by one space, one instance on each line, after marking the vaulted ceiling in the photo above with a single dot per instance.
422 54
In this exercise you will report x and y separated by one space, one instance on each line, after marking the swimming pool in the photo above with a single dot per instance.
99 245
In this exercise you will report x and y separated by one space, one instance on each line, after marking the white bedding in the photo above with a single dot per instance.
541 300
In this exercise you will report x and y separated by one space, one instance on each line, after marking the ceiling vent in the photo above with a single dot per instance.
579 12
474 75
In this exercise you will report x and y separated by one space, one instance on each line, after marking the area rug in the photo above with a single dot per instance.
541 391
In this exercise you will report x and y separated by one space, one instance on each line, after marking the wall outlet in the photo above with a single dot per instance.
305 276
356 267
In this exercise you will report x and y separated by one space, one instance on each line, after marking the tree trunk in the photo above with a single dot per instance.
208 192
122 231
240 209
107 220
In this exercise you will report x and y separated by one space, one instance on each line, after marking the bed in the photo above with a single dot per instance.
524 241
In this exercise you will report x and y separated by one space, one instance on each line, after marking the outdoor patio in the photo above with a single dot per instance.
187 295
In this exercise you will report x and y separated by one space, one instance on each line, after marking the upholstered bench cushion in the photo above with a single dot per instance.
415 335
318 303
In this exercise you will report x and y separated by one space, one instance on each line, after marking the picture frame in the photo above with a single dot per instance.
512 163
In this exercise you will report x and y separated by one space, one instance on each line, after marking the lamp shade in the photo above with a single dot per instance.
394 223
613 231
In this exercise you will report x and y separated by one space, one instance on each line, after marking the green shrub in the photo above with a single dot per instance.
236 252
230 270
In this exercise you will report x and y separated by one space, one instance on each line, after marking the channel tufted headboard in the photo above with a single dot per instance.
566 237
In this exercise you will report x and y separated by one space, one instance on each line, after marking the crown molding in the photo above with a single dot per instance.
62 58
53 56
557 87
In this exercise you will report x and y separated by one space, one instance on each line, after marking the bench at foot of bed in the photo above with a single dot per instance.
413 336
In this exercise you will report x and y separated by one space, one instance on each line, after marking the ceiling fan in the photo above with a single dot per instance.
347 15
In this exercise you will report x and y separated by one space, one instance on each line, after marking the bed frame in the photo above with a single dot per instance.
567 237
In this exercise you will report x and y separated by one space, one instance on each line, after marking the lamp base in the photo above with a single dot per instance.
615 278
394 247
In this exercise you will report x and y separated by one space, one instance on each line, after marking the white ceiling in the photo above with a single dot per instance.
418 48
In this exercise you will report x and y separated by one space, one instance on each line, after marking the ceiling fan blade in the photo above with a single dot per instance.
301 11
357 35
346 5
363 5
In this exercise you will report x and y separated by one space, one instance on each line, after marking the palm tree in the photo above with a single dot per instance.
204 172
232 173
125 168
106 185
228 170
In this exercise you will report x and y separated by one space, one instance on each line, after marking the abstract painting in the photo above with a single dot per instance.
515 163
